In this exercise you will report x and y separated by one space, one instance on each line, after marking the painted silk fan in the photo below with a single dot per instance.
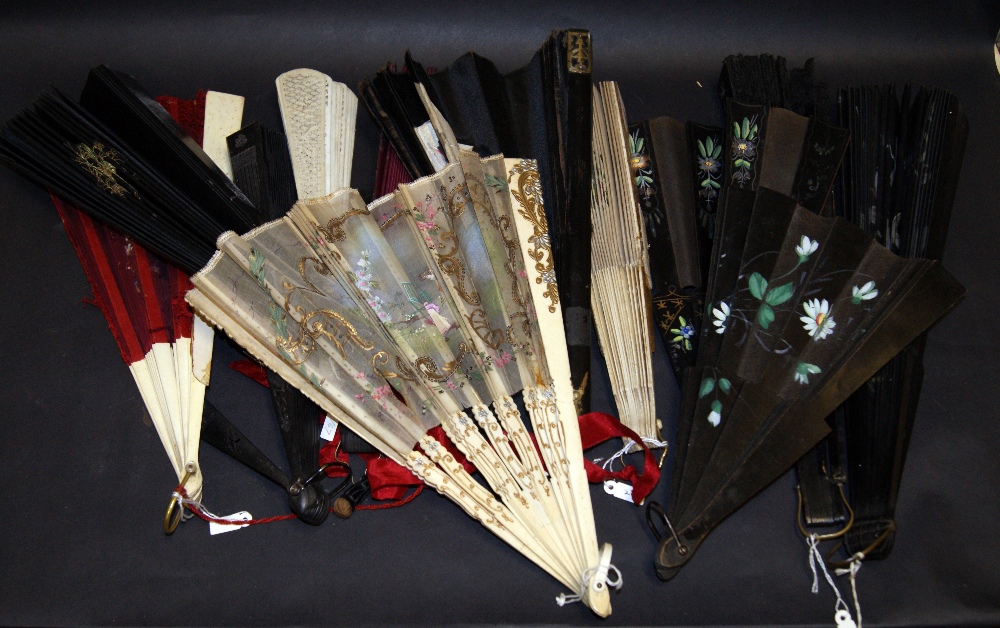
804 308
397 316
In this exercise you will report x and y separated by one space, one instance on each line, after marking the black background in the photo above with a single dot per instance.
85 481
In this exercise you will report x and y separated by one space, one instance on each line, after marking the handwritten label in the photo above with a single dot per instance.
329 429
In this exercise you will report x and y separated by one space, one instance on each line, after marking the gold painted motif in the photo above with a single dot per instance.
334 231
321 324
380 359
429 368
578 52
481 325
668 307
452 265
100 162
480 199
456 200
385 225
312 325
528 194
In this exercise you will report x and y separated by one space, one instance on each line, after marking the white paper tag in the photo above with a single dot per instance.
620 490
218 528
329 429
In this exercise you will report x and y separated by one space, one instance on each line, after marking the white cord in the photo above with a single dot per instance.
652 443
842 615
562 599
852 569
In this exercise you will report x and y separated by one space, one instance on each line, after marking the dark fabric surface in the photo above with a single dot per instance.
85 480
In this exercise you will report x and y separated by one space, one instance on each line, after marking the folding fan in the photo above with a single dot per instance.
541 111
805 308
898 185
168 350
441 296
177 209
620 269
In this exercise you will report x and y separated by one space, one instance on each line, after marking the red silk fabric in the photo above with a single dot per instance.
596 428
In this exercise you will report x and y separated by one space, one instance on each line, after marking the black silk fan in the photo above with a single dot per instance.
120 157
803 308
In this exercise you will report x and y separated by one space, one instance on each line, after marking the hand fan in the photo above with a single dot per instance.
900 176
168 350
620 269
178 209
426 296
540 111
805 309
816 307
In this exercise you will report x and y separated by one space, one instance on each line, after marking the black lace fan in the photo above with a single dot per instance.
803 309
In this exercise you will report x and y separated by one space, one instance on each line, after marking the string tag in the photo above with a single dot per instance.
621 490
218 528
329 429
842 616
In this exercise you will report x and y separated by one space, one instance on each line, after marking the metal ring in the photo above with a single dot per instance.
830 535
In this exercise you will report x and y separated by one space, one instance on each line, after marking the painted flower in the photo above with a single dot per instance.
721 315
715 416
638 161
745 148
541 240
381 392
451 385
806 248
708 164
683 334
503 359
817 322
866 292
804 370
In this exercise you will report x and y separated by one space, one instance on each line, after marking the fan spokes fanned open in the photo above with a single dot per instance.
393 348
813 309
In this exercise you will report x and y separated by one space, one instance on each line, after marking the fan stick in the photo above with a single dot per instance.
456 484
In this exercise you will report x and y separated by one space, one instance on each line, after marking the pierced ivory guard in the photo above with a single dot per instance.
319 118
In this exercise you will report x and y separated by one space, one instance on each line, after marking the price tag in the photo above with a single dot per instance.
620 490
218 528
329 429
